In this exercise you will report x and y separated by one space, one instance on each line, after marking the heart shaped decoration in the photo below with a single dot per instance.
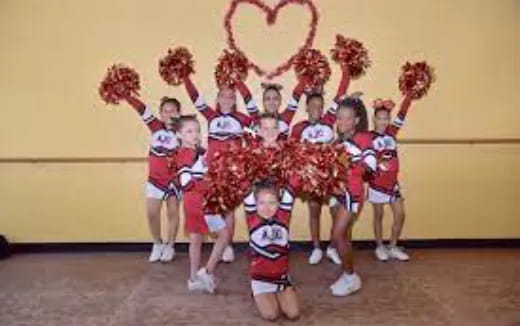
271 15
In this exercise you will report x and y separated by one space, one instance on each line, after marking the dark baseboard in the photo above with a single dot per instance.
75 247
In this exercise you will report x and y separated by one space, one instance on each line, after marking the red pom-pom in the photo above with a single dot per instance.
228 176
312 66
351 54
176 65
119 83
268 163
231 67
321 168
416 79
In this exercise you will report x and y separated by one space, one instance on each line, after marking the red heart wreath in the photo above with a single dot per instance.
272 13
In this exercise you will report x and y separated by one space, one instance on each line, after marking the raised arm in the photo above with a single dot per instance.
198 100
146 114
289 194
398 122
292 105
330 116
251 106
343 84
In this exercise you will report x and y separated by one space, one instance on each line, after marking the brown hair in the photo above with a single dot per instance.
170 100
265 185
271 87
360 111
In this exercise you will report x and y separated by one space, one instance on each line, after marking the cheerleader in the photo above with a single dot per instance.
384 186
272 100
225 127
161 186
319 128
352 128
191 167
268 219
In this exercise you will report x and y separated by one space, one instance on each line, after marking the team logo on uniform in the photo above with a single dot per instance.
384 143
223 124
164 139
272 233
316 134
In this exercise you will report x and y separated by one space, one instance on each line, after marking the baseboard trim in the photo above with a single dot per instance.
78 247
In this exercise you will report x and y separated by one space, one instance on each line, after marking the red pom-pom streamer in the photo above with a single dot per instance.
268 163
119 82
312 66
176 65
416 79
233 171
228 176
231 67
321 168
351 54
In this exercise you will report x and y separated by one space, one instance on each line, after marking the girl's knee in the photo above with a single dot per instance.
315 217
195 238
402 216
292 314
338 234
173 216
339 231
153 215
223 234
378 214
399 215
270 315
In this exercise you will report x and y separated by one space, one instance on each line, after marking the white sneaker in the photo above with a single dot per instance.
228 255
346 284
207 280
316 256
168 253
195 285
156 253
397 253
332 254
382 253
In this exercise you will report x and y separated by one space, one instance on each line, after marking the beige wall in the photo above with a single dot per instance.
53 54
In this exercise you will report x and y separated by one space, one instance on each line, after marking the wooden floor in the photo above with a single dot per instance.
438 287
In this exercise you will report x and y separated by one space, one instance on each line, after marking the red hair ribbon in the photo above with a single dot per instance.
380 104
276 86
